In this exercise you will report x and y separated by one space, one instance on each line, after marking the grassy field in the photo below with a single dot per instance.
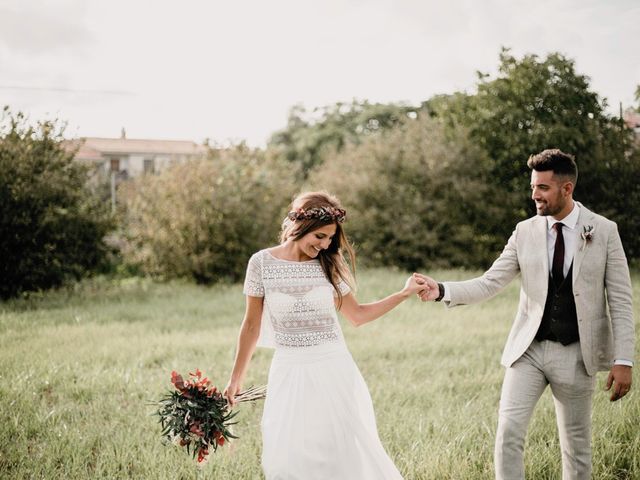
78 368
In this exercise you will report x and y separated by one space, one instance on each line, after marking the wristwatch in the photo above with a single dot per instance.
441 290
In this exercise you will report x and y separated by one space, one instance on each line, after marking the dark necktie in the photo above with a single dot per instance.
557 268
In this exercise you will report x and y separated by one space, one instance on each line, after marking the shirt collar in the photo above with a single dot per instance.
569 221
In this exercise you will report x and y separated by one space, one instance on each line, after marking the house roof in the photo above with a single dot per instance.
94 148
84 152
132 145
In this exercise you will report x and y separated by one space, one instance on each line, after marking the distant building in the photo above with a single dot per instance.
129 157
632 119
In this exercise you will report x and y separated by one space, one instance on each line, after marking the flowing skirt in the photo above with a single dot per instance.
318 421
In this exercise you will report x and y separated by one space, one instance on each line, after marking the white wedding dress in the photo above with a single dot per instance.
318 421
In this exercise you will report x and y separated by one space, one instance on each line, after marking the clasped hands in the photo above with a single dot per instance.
429 287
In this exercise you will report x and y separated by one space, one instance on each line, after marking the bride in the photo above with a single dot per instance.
318 420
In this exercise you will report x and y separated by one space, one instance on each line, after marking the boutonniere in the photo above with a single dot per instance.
587 235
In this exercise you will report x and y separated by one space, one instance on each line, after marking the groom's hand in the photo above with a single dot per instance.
620 379
431 292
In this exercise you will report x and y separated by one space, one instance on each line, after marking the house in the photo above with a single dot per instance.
632 119
128 157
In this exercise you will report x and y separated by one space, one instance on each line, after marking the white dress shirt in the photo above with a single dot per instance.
570 234
571 237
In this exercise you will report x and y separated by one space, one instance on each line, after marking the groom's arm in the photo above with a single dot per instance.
503 270
619 299
619 293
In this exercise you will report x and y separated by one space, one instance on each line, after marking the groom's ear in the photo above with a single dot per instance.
567 188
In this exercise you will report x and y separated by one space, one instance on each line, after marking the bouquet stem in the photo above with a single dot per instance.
251 394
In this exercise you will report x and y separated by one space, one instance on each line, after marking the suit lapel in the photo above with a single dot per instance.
539 234
585 218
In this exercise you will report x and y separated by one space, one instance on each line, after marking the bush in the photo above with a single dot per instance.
203 219
52 228
417 197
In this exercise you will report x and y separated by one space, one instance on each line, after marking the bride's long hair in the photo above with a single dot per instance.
332 259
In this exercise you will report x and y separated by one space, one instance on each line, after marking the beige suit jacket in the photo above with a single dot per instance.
601 287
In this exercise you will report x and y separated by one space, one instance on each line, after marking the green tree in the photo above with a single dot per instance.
417 197
51 226
310 136
536 103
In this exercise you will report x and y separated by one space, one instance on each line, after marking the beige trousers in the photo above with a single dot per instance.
546 363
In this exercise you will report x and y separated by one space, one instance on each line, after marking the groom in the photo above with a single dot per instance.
574 317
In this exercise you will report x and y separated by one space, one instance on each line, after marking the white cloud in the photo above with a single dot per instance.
27 28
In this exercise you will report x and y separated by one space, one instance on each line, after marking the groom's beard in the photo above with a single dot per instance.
543 209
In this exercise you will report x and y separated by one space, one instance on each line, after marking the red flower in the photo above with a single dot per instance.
202 454
211 392
177 380
195 428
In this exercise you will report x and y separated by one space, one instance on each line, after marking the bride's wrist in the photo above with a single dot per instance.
404 293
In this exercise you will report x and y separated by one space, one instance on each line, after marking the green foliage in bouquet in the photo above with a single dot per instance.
196 416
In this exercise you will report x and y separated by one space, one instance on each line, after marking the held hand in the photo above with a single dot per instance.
412 286
230 392
620 379
431 292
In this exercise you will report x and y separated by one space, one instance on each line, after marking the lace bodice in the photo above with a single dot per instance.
299 309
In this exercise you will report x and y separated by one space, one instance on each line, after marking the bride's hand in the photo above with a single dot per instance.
230 392
412 286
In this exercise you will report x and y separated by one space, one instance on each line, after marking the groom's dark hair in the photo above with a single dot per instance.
557 161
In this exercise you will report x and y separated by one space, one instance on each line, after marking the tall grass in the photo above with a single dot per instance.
78 369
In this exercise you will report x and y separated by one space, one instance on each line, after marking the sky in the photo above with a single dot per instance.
230 70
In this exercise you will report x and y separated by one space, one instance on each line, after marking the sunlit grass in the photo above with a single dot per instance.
78 368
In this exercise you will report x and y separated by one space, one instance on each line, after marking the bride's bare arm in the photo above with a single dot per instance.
359 314
247 339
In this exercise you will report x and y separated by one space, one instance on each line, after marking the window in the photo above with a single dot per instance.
115 165
149 165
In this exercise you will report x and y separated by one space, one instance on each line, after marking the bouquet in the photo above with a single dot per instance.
197 417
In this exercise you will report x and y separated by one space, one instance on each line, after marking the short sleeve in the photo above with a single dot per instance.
343 287
253 285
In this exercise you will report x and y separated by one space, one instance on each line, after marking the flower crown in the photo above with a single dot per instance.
321 213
